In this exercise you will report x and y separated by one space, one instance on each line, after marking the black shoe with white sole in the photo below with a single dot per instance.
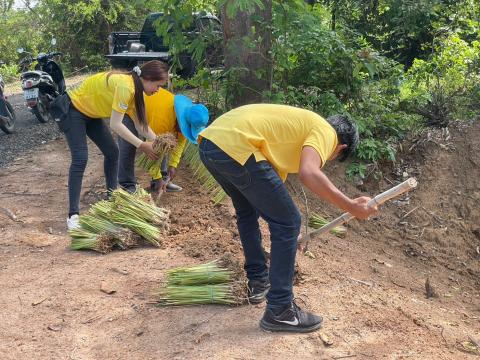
257 290
292 319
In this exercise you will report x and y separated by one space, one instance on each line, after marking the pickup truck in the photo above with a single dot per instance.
127 48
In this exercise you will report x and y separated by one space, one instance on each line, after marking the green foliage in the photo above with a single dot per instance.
241 5
177 21
356 170
445 86
9 72
310 97
383 62
404 30
84 36
17 30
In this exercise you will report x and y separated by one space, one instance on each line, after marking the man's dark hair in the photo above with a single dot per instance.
347 133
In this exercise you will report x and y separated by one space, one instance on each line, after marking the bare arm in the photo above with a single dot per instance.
117 126
150 135
313 178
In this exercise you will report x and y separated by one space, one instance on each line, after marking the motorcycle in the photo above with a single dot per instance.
7 115
42 85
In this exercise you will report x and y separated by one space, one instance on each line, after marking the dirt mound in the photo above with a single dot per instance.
439 222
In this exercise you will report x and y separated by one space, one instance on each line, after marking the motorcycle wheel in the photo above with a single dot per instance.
9 128
41 112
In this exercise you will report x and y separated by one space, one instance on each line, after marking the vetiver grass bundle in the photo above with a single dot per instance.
121 222
135 207
85 240
316 221
197 295
162 145
208 273
147 231
99 234
102 209
192 157
201 284
119 236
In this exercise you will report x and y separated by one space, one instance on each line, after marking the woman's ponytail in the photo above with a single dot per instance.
153 71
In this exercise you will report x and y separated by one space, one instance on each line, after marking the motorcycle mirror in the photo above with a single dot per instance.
54 41
20 50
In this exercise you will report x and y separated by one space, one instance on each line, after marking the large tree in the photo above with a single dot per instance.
247 41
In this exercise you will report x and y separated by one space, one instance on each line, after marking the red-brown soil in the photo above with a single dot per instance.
369 286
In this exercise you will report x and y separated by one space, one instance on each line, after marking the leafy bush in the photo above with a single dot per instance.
446 86
9 73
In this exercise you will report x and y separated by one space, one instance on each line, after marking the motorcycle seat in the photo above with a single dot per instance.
35 73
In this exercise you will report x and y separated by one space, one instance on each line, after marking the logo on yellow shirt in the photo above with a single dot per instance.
123 106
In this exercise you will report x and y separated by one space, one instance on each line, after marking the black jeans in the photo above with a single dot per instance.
126 166
257 190
77 128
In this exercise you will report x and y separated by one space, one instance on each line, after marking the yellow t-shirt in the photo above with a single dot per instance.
161 117
96 99
276 133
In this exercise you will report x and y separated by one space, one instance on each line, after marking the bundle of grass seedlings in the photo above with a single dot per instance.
121 222
316 221
202 284
163 145
192 157
99 234
145 219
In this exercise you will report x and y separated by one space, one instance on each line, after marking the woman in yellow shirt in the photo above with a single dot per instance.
106 95
161 109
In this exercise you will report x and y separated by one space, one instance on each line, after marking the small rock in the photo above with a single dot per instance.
325 339
120 271
54 327
104 287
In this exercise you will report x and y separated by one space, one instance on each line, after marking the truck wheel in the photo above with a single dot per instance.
9 127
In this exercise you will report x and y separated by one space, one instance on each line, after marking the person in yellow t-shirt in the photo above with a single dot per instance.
250 151
81 111
160 111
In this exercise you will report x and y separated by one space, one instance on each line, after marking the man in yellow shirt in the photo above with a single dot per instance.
250 151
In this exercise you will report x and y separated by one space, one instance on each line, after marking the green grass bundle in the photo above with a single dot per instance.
99 234
102 209
85 240
146 230
138 208
120 222
196 295
192 157
201 284
98 225
162 146
142 194
208 273
316 221
120 237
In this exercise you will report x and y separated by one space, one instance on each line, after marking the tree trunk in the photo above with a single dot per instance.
247 39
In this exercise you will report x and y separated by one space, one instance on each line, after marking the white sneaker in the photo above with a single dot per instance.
73 222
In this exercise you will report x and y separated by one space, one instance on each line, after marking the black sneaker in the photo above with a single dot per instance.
257 290
291 319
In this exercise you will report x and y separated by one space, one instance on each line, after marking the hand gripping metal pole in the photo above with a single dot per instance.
404 187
